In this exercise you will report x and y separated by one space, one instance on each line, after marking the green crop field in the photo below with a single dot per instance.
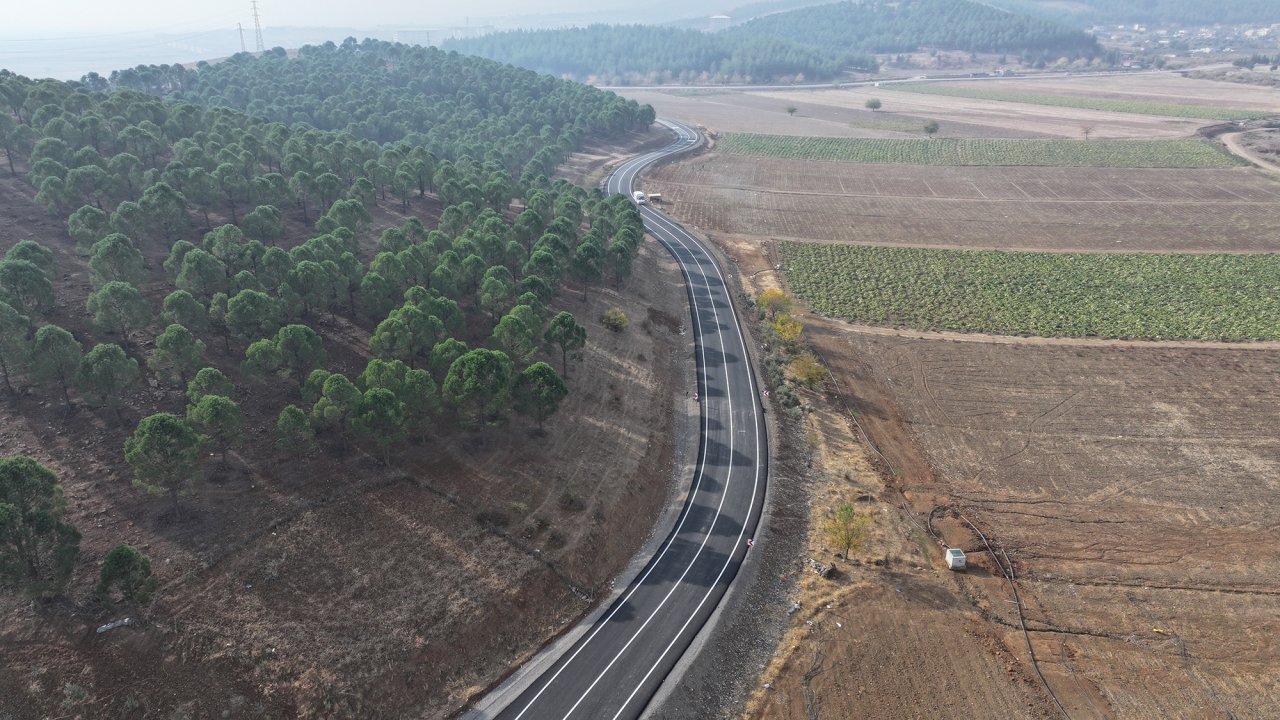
983 151
1139 107
1164 297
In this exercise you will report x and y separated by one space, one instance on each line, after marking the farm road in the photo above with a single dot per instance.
1232 141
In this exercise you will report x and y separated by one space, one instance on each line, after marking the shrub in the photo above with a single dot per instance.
615 319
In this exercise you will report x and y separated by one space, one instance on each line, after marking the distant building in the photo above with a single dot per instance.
716 23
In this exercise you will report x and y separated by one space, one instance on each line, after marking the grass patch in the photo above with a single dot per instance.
983 151
1159 297
1139 107
890 122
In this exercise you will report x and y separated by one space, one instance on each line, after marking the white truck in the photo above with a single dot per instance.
639 197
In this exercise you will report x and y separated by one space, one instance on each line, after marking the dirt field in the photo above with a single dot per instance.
1005 208
334 586
819 113
1131 485
1151 87
1133 491
842 112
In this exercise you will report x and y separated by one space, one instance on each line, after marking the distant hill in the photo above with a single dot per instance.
811 43
633 54
896 27
1151 12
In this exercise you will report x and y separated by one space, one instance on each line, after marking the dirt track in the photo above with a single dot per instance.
1232 141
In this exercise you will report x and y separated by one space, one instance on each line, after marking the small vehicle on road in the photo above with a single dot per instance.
639 197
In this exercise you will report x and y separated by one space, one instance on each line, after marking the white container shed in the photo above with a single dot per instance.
955 558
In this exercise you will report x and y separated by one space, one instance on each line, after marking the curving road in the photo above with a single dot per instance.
616 667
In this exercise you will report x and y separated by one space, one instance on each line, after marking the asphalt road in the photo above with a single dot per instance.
616 667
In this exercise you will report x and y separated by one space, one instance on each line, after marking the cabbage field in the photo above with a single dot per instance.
1160 297
1140 107
983 151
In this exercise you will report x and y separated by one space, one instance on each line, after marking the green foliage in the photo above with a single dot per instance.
119 307
59 357
337 403
177 355
565 333
294 434
538 392
181 308
104 374
164 452
202 274
514 337
15 343
127 571
887 26
808 43
301 349
37 549
252 315
615 319
264 224
1141 107
34 253
379 417
209 381
478 384
443 354
1164 297
114 258
87 226
982 151
220 420
642 53
1150 12
406 334
261 360
25 287
846 529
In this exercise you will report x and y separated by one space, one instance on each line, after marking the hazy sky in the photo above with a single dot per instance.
98 18
65 39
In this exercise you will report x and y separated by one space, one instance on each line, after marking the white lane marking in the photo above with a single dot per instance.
723 493
696 487
677 232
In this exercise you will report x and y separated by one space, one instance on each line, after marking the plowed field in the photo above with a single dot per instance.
1005 208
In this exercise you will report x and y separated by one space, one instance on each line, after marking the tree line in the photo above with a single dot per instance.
1151 12
455 315
810 43
880 26
651 54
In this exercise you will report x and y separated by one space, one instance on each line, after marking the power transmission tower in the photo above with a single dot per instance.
257 25
241 29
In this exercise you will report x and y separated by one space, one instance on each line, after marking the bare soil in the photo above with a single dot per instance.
336 586
819 113
1001 208
1165 87
1003 119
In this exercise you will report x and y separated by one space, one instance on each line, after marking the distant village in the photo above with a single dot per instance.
1183 42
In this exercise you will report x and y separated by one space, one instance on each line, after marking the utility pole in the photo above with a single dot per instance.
257 25
241 29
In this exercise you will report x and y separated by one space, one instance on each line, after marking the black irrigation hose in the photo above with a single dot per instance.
1010 576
